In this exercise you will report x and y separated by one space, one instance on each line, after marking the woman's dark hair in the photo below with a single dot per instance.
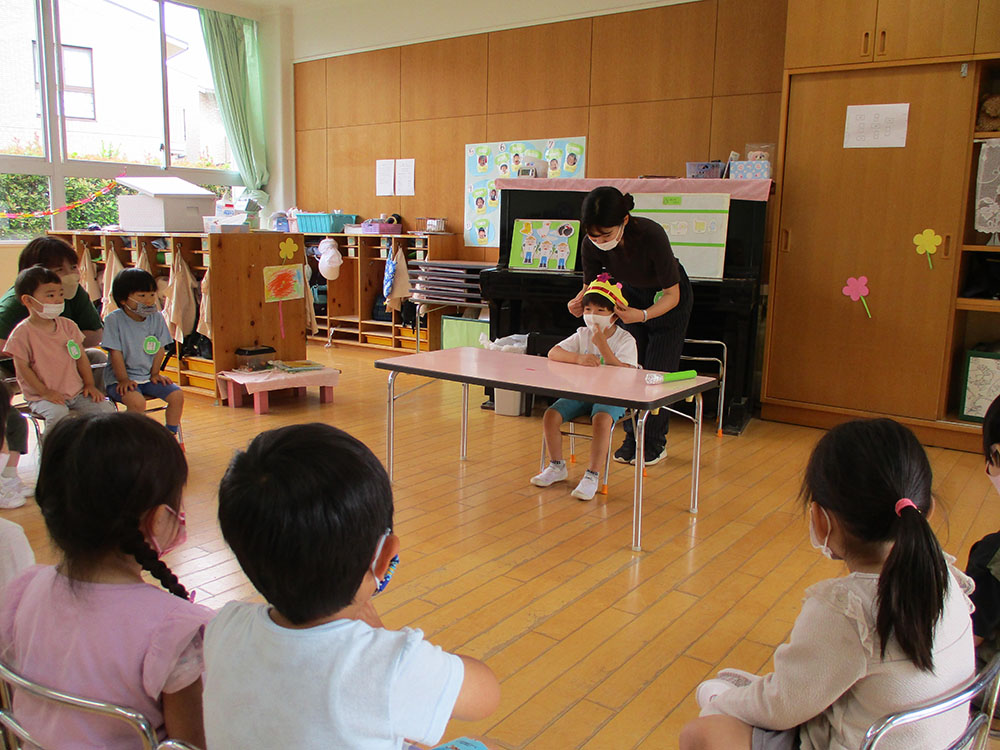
28 280
605 207
130 280
858 472
50 252
991 428
99 476
303 508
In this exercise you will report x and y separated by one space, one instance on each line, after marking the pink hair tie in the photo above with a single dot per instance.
905 503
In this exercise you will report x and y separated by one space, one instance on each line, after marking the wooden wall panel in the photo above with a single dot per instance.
310 170
627 140
310 95
739 120
444 79
351 155
749 46
363 89
988 27
555 123
647 55
539 67
437 146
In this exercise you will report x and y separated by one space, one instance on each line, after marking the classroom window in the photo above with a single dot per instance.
78 83
21 130
23 193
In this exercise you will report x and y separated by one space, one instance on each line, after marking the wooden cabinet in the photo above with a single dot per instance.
988 27
347 314
856 31
854 212
240 316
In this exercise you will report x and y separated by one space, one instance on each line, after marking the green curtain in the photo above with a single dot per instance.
234 55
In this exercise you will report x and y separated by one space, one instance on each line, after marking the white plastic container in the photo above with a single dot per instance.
508 403
164 204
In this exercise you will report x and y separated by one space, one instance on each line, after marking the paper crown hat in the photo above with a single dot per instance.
602 285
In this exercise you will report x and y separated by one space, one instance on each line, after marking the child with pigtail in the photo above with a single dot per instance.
109 488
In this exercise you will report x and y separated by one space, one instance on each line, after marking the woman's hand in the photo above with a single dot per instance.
575 305
629 314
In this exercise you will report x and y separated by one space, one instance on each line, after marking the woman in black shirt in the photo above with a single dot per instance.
636 252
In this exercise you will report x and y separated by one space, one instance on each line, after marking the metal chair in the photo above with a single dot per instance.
574 435
15 734
722 364
977 732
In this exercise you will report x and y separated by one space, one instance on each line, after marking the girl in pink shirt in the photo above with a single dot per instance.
109 488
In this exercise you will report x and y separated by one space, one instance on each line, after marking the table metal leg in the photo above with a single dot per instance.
389 405
640 458
696 452
465 420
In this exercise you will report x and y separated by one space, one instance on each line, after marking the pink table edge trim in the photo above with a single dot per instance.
748 190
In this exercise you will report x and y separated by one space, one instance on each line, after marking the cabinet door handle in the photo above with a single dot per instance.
783 247
881 43
865 38
946 250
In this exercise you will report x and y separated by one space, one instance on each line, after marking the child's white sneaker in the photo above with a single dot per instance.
727 679
550 475
10 499
587 487
737 677
14 486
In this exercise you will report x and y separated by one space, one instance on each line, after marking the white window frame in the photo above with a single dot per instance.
55 165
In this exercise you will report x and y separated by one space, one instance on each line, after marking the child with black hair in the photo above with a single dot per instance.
135 335
91 626
307 510
52 370
893 633
984 557
599 342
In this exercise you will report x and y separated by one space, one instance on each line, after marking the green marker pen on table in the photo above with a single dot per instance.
655 378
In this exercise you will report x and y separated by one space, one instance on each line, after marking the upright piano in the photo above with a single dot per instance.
726 309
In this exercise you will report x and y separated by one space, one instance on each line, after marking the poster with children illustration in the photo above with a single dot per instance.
544 244
486 162
696 224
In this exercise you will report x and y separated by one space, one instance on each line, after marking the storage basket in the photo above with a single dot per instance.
339 221
315 223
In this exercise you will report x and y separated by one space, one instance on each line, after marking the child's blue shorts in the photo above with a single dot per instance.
150 390
570 409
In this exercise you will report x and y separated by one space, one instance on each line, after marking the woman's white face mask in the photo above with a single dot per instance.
610 244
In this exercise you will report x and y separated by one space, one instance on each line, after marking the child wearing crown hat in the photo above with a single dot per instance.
599 342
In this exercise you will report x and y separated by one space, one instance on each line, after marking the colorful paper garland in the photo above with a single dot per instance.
62 209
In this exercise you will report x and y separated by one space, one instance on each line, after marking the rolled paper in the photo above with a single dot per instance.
654 378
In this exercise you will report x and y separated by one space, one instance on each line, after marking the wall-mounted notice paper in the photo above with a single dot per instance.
876 126
385 170
404 177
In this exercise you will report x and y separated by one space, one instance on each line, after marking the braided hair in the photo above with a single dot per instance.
98 478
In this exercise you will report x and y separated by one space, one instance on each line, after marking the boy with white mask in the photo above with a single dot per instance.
984 557
600 342
52 370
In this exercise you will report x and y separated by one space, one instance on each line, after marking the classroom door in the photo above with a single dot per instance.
854 212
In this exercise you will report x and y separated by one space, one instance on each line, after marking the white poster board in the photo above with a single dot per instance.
695 223
876 125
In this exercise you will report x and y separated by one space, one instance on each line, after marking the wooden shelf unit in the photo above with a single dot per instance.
240 317
346 318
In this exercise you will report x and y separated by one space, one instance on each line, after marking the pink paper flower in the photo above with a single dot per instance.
856 288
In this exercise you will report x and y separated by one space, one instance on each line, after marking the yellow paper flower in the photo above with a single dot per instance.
927 243
287 249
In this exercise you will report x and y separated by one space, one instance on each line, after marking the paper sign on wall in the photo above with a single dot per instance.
696 223
385 172
876 126
404 177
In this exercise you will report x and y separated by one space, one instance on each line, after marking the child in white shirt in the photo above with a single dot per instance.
600 342
307 509
893 633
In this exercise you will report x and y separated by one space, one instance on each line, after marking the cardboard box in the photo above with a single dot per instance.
164 204
750 170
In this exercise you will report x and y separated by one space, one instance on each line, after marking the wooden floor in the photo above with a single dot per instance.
596 646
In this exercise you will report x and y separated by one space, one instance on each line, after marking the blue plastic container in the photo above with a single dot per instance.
315 223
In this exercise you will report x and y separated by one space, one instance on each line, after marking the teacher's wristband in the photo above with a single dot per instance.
645 316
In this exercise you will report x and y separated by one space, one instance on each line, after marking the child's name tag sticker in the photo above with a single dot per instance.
74 349
151 345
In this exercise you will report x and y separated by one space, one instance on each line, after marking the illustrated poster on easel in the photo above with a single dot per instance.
485 162
544 245
695 223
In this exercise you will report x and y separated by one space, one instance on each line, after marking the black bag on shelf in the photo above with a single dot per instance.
379 311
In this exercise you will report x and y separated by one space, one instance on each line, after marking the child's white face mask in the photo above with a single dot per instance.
814 537
604 322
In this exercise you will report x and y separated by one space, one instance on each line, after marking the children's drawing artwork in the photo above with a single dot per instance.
283 283
544 244
857 289
486 162
695 223
927 243
982 383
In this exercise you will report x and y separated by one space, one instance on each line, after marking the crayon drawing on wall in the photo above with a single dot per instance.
544 244
283 282
486 162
